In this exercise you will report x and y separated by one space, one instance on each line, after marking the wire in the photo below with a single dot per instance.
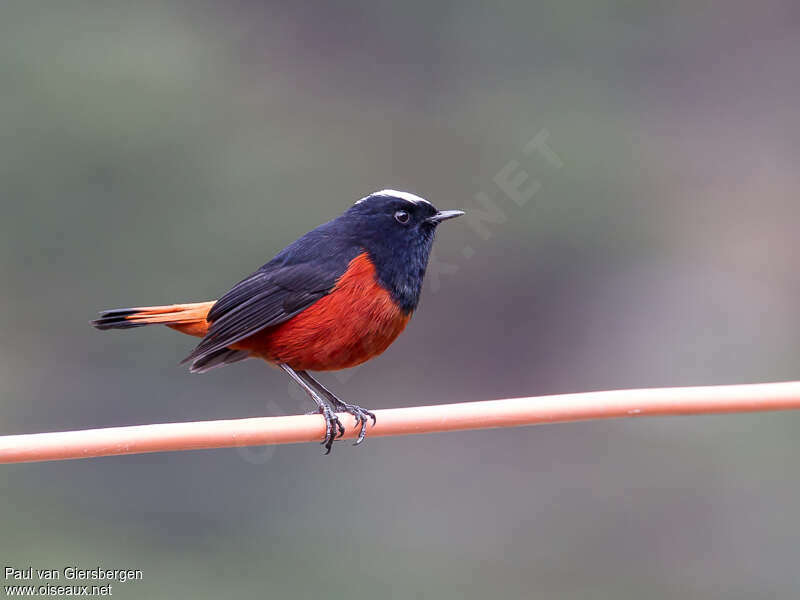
513 412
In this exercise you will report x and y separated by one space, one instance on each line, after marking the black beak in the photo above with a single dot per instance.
443 215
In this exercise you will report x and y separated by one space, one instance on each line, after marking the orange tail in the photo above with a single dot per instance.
188 318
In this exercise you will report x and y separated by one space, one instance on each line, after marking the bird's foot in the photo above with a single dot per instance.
361 415
333 427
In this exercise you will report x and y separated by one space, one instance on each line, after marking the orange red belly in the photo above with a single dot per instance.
355 322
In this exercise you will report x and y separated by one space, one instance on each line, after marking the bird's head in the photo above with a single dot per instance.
400 217
397 229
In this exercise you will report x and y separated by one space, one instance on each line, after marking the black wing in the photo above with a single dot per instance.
300 275
262 300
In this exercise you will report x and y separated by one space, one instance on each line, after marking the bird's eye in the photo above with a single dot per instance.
401 216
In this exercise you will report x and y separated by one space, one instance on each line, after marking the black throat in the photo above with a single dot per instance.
401 269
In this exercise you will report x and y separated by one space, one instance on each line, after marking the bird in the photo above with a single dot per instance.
333 299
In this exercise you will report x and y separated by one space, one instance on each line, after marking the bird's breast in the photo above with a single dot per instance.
356 321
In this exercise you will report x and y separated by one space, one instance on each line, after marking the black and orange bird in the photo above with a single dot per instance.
331 300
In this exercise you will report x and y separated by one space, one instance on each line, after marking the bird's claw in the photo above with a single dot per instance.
333 428
361 415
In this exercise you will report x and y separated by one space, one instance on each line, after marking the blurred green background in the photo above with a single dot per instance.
156 152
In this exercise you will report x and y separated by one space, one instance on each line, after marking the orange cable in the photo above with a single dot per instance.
513 412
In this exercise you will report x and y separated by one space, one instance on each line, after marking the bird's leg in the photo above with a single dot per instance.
333 426
359 413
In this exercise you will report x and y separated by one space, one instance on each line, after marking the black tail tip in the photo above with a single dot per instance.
116 319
